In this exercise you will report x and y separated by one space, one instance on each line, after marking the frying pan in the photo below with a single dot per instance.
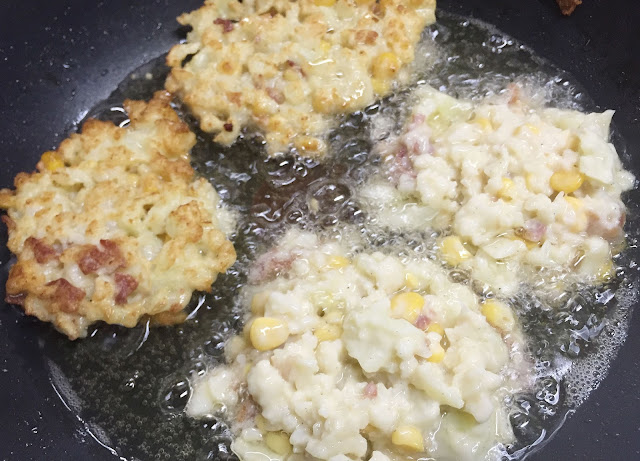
58 59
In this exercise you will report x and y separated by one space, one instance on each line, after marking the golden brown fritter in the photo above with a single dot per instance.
288 67
114 225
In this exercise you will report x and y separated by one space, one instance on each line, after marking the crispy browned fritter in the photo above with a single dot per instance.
114 225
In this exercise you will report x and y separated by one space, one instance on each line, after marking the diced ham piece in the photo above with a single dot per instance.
609 226
401 165
270 265
42 252
227 24
17 299
370 391
65 297
10 223
125 285
422 322
417 139
275 94
533 230
110 258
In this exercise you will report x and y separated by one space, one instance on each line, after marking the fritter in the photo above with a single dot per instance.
114 225
288 68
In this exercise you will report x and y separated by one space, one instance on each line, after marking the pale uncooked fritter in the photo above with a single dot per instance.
115 226
525 192
348 353
288 67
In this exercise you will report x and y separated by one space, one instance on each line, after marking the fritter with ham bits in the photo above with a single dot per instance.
288 67
114 226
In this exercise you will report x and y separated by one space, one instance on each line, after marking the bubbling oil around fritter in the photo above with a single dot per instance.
134 384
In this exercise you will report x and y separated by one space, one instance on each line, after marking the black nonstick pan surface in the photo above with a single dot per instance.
58 59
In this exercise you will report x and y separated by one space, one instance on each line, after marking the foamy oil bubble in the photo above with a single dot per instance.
134 384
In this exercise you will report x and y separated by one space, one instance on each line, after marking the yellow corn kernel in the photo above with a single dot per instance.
278 442
532 128
566 181
408 437
228 66
328 332
324 2
325 47
291 75
407 306
267 333
437 353
507 189
435 328
385 65
380 86
52 160
247 369
530 245
606 272
325 101
258 302
338 262
412 281
530 180
484 123
498 315
453 251
580 224
261 423
573 143
308 143
333 317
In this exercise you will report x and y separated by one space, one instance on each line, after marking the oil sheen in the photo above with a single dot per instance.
129 387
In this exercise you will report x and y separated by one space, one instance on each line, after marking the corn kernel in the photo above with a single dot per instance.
530 245
338 262
435 328
261 423
328 332
412 281
453 251
52 161
566 181
408 437
267 333
385 65
532 128
334 317
380 86
498 315
530 180
247 369
325 47
573 143
407 306
484 123
437 353
364 2
580 223
291 75
507 190
324 2
278 442
258 302
605 272
325 101
308 143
